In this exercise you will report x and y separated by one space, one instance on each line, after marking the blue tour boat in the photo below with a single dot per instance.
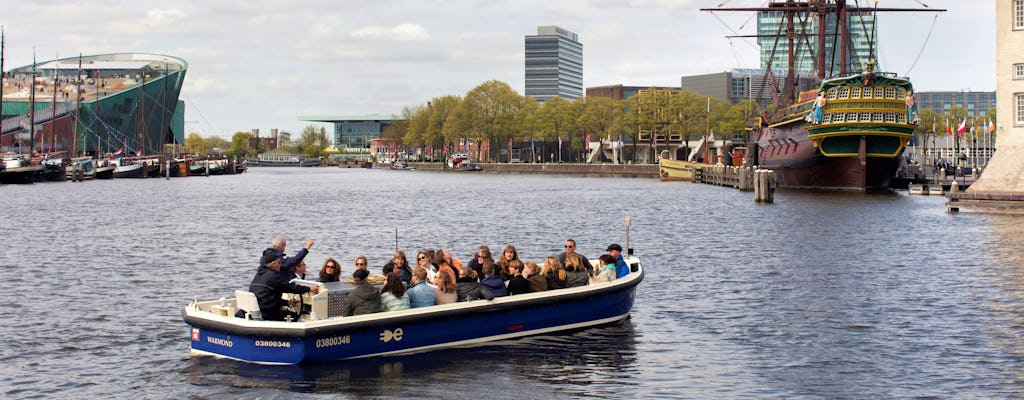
215 331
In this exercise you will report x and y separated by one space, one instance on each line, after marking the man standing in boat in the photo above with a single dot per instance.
277 246
268 286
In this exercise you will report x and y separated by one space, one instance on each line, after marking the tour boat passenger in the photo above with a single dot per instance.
476 263
331 271
570 248
364 299
445 292
277 246
538 282
423 261
493 282
606 272
468 288
363 264
420 293
270 283
392 295
401 264
575 273
508 254
621 269
555 273
518 284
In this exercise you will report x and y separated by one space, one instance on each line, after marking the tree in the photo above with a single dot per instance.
491 111
312 141
239 144
195 144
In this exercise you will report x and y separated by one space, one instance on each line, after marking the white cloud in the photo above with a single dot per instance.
206 87
404 33
163 18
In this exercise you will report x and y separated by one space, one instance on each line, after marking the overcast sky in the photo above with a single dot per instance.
262 63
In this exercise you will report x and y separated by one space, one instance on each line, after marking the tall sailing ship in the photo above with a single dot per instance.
848 132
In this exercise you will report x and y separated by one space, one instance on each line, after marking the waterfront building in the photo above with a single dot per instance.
94 105
1003 175
554 64
771 28
620 92
355 131
976 103
742 84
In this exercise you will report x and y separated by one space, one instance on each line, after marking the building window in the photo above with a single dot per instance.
1018 106
1018 14
1018 71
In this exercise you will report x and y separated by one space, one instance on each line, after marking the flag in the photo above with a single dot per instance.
119 151
138 152
949 128
962 128
991 126
586 143
933 127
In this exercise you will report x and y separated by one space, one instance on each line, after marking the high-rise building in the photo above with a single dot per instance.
554 64
771 31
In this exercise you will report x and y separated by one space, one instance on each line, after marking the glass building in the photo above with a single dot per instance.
355 131
554 64
771 26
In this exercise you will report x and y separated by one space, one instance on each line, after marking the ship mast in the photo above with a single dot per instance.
2 46
78 107
32 108
53 112
791 10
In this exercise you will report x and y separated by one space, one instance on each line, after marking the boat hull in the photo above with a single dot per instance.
414 330
675 170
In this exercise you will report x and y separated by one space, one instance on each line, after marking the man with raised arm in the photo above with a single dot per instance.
277 246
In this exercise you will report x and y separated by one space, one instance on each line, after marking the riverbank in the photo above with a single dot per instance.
634 170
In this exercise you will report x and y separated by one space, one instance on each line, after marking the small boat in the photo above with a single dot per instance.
216 331
104 170
17 169
81 169
675 170
401 165
125 170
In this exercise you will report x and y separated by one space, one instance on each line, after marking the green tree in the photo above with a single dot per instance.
195 144
216 142
492 111
239 144
313 141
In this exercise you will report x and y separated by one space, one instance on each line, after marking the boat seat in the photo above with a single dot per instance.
246 301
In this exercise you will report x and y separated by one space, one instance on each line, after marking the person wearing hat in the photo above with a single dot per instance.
268 286
364 299
277 246
621 268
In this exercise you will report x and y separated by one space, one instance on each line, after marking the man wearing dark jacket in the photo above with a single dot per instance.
364 299
288 264
268 286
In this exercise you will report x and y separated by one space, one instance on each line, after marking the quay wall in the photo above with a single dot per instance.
637 170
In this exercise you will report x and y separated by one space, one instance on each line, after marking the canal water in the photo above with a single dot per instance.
818 295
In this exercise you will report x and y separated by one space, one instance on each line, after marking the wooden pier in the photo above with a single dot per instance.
761 181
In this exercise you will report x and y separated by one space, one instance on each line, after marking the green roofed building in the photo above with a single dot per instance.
354 131
94 104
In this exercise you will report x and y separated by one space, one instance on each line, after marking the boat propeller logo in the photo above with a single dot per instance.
388 335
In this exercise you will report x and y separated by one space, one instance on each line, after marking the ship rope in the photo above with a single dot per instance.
923 45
